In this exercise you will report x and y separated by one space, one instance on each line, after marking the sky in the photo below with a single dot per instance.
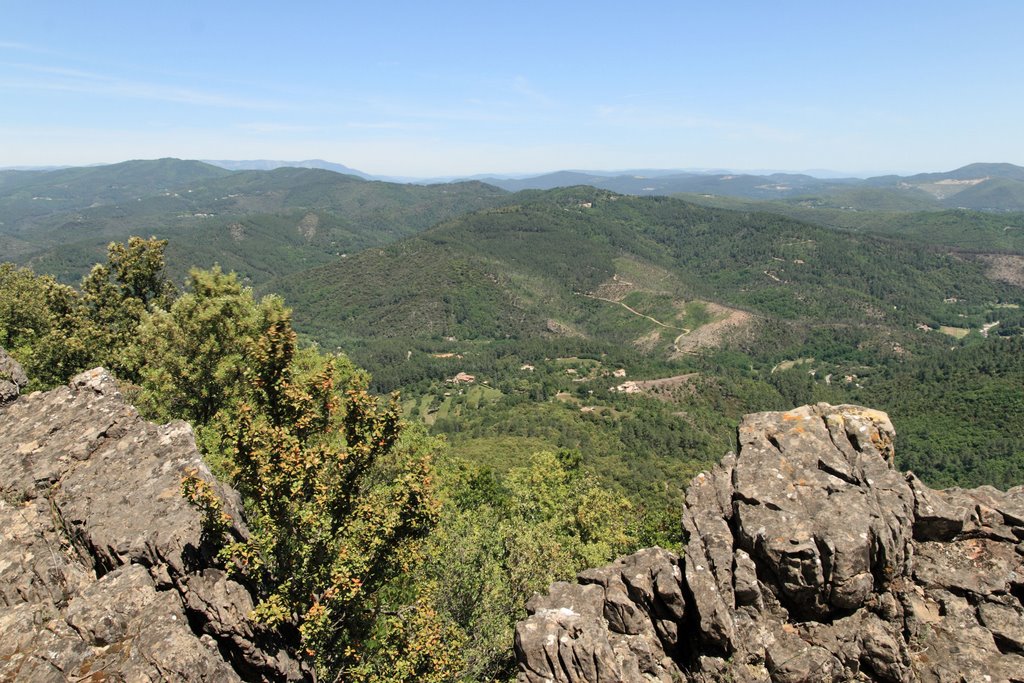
441 88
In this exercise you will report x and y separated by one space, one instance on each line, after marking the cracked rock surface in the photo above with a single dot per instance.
808 558
103 574
12 378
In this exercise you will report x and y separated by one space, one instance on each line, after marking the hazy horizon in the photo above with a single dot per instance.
457 89
823 173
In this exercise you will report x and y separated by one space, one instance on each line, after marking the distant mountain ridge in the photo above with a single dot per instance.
269 223
979 186
272 164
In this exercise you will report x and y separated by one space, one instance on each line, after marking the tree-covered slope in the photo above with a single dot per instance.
260 223
545 299
537 268
965 230
994 194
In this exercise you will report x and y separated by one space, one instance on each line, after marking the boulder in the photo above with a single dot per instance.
620 623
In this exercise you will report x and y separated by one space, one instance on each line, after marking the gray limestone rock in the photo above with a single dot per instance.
819 506
809 558
619 624
12 378
103 571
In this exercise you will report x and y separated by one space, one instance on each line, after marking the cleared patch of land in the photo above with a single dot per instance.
727 322
636 312
664 388
787 364
956 332
1007 268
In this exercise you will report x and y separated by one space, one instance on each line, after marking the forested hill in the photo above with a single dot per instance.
575 261
957 229
710 313
260 223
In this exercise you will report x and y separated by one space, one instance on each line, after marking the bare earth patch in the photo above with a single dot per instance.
665 388
957 332
615 289
1005 268
728 322
648 342
664 383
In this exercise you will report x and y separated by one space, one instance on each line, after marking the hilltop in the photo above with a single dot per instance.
836 563
808 557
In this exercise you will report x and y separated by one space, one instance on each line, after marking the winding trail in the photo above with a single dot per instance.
684 330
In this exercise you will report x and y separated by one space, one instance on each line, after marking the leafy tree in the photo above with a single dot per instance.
195 351
55 331
498 542
115 297
336 497
39 324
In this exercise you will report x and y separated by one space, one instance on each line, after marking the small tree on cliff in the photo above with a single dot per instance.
337 497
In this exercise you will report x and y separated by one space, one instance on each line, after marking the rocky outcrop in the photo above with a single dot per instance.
104 574
808 558
12 378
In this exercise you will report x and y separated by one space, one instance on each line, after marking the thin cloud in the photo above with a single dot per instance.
271 128
145 91
386 125
76 80
24 47
522 86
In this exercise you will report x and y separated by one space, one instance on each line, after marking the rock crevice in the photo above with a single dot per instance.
808 557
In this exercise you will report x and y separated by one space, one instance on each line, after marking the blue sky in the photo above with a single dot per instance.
446 88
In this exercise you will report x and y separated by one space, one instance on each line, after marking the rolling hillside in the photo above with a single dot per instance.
260 223
705 313
632 329
555 263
